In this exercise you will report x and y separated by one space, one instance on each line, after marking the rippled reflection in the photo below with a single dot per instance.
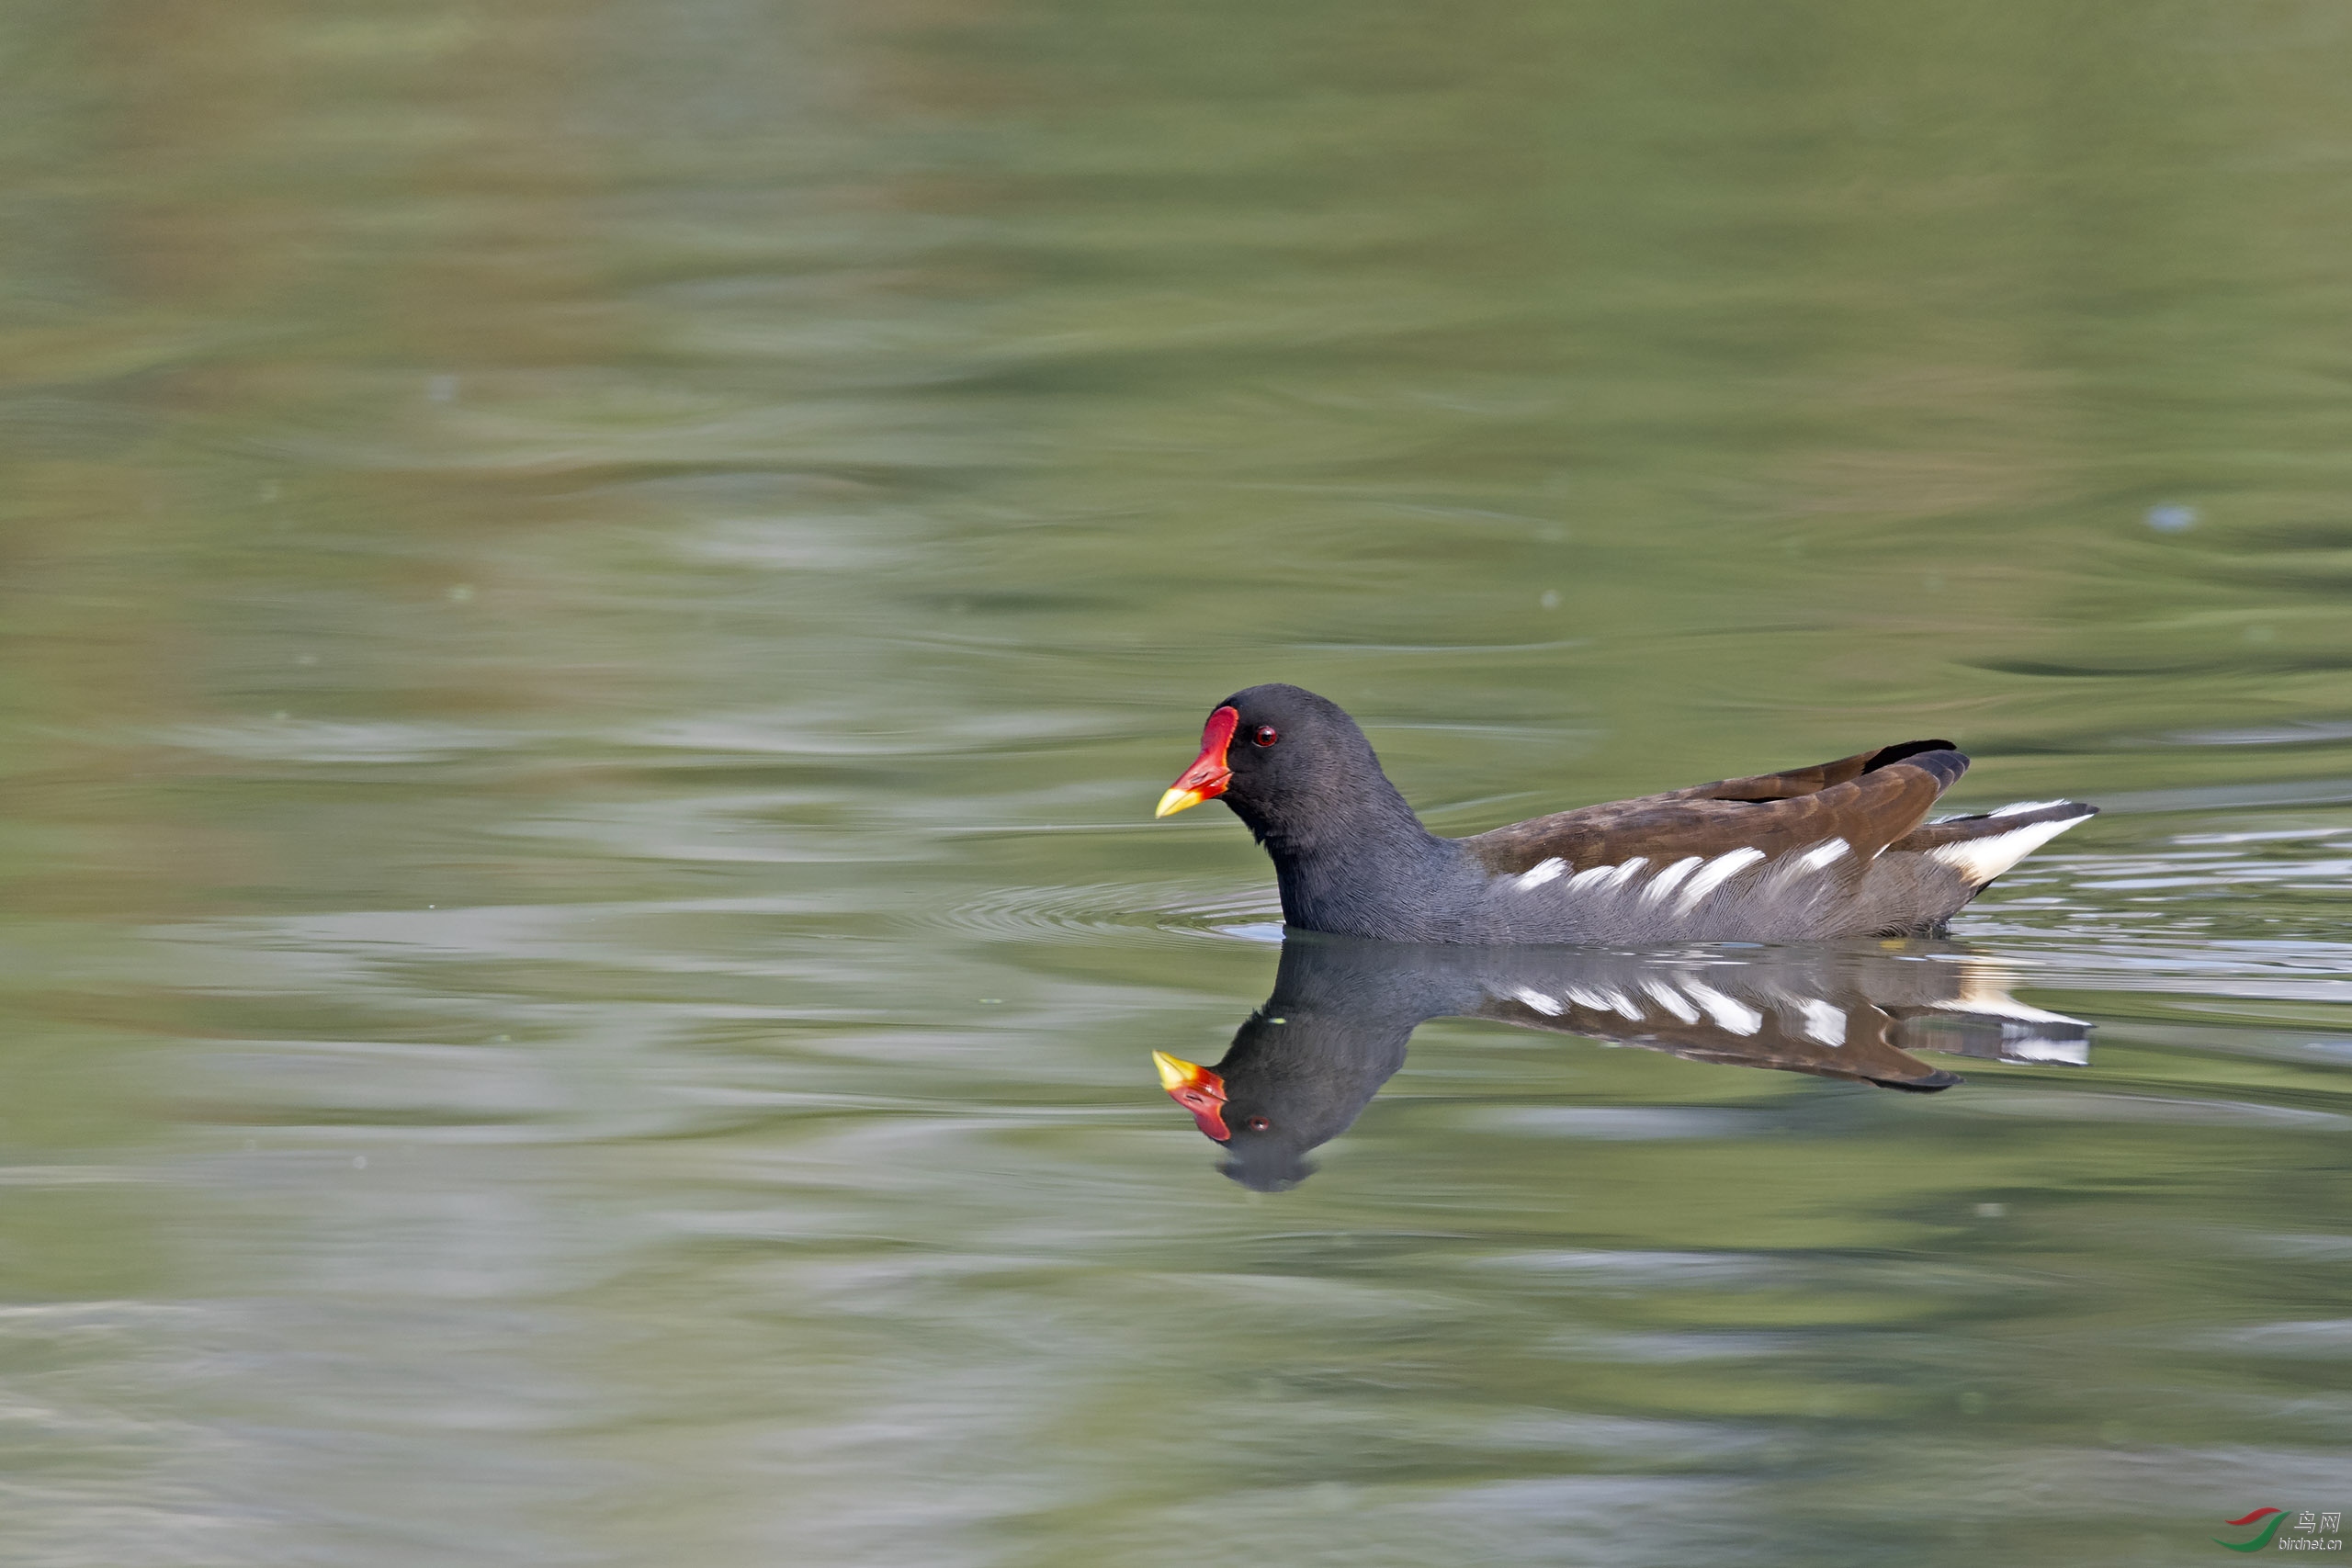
1303 1067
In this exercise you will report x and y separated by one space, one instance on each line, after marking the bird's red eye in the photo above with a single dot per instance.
1264 735
1257 1124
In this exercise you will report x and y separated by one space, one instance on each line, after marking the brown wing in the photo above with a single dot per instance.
1870 800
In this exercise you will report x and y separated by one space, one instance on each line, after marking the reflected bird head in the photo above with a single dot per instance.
1259 1152
1195 1088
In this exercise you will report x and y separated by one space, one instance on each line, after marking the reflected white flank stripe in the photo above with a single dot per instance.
1618 1003
1671 1000
1728 1012
1823 1021
1537 1000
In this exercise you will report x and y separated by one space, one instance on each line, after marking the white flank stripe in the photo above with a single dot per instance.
1664 882
1982 859
1537 1000
1820 855
1619 874
1671 1000
1728 1013
1718 871
2015 806
1823 1021
1584 880
1536 876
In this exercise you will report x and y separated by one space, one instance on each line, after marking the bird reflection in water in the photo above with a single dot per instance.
1306 1062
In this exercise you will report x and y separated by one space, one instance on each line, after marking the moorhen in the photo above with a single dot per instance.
1841 849
1306 1062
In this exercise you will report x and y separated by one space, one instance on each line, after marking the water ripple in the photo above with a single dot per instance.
1109 908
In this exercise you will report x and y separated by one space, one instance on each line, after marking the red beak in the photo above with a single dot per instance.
1193 1086
1208 775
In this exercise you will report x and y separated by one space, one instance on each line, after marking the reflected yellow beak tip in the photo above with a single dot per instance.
1174 1071
1177 800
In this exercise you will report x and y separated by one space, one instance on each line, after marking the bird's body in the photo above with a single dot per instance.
1841 850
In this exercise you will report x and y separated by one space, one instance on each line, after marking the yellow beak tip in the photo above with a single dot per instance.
1176 800
1174 1072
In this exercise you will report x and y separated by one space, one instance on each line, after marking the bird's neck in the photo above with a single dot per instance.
1343 865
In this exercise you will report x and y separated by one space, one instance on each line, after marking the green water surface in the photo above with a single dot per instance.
593 600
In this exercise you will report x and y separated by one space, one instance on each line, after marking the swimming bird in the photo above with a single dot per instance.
1844 849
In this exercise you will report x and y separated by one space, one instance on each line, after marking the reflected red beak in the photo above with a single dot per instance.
1194 1088
1208 775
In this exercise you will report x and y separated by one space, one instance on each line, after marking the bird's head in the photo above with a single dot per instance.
1278 755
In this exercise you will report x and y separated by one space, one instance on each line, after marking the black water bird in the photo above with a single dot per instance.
1841 849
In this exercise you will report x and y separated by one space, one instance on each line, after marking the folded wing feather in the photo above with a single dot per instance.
1869 801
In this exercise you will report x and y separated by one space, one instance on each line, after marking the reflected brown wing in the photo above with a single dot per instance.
1870 800
1865 1049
